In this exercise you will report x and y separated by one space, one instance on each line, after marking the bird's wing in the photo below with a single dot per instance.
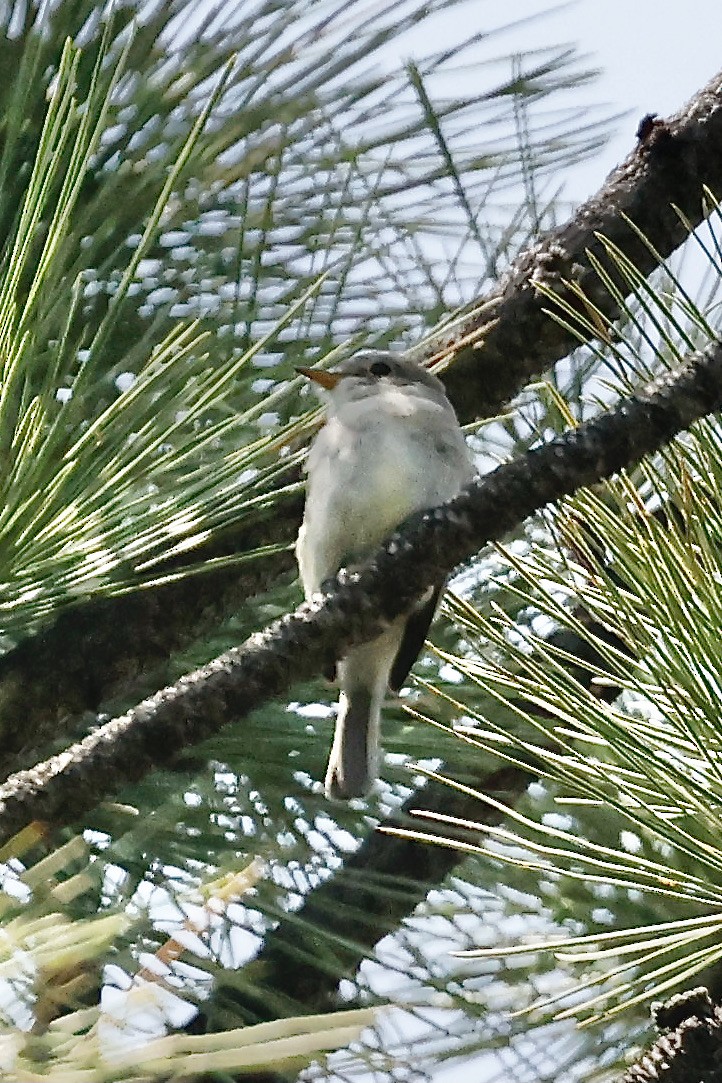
413 639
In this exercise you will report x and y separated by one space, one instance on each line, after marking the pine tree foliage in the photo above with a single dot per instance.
191 203
589 660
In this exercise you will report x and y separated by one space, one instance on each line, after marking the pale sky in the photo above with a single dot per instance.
653 54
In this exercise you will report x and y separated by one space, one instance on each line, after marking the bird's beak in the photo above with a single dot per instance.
322 376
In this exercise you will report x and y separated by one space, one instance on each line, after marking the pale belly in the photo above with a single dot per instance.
367 479
381 485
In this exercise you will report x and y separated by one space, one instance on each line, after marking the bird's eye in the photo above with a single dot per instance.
380 368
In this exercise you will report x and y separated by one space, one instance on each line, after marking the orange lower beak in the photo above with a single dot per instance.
321 376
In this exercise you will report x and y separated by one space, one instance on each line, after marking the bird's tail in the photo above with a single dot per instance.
353 763
363 676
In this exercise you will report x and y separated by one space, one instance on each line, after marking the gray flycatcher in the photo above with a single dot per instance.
391 446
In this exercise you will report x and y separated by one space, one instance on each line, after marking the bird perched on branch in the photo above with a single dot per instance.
391 446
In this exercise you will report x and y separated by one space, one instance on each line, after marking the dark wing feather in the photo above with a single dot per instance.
329 672
414 635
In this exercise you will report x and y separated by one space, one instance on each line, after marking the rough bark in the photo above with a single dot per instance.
670 166
382 881
689 1047
119 648
62 789
342 920
48 677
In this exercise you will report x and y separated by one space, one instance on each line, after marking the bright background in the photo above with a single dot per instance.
653 55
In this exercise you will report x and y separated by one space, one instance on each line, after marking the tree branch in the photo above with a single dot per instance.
119 648
689 1048
382 881
670 165
367 898
61 789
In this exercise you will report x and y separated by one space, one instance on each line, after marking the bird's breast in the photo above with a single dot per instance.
379 460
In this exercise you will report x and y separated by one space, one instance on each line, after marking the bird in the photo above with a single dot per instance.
391 446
